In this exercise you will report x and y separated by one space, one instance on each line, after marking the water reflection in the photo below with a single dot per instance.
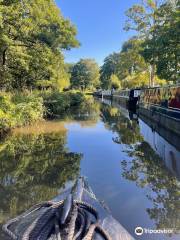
119 158
35 161
33 168
128 132
147 169
86 113
145 166
168 153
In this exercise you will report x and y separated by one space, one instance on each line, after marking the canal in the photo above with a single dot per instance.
130 166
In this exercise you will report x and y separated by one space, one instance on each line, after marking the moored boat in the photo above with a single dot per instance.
73 215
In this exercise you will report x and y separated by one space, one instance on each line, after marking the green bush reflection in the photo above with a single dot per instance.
33 167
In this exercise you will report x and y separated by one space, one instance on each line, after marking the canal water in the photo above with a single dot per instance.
128 165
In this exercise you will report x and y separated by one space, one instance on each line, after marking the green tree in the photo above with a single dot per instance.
32 37
166 50
127 65
131 62
109 68
85 74
133 68
143 19
115 82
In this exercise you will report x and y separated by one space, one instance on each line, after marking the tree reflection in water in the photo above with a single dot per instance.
35 161
87 113
128 131
146 169
33 167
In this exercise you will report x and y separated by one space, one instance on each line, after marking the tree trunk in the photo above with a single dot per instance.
4 57
153 67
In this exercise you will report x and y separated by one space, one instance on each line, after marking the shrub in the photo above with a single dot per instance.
57 103
19 109
28 112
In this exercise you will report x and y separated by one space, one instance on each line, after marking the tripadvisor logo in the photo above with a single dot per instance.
139 231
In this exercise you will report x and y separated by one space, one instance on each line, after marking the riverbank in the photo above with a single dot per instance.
24 108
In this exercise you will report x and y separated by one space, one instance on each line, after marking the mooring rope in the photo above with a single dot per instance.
78 223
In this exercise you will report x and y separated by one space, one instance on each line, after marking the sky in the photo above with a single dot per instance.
99 24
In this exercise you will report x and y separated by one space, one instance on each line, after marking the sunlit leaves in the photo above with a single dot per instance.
164 47
85 74
32 36
157 24
109 68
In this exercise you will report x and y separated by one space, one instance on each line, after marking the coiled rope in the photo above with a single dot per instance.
80 222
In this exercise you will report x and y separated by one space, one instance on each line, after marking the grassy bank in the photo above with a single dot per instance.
20 109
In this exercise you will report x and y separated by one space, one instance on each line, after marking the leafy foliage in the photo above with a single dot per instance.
164 46
32 37
57 103
109 68
152 56
85 74
157 24
18 110
128 65
115 83
26 108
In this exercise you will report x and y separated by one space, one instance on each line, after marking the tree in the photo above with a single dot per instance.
143 19
32 37
85 74
134 70
131 62
125 66
165 51
108 69
140 79
115 82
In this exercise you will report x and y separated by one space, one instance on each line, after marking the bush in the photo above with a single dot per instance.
57 103
19 109
27 113
76 98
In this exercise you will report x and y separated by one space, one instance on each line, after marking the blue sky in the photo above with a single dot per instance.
100 26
